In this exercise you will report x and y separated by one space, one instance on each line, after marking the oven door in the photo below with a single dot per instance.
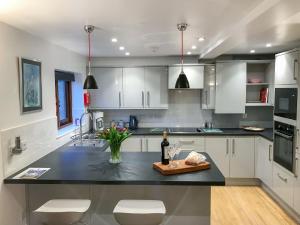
284 150
286 103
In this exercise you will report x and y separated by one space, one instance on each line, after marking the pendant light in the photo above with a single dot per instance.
90 82
182 81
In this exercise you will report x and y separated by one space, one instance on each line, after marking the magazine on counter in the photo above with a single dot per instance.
31 173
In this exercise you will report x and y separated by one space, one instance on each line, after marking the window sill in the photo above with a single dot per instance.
66 130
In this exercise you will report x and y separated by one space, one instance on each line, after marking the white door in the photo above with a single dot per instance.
297 186
132 144
230 87
134 88
153 143
286 68
264 161
194 75
156 87
218 149
242 157
109 93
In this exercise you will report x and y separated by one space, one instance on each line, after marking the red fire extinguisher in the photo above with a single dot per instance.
86 99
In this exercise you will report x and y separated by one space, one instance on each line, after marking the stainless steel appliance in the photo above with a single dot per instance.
286 103
98 124
133 122
284 145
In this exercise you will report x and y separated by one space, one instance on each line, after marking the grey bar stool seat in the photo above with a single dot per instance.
139 212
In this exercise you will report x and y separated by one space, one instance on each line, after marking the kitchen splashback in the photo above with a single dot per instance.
185 111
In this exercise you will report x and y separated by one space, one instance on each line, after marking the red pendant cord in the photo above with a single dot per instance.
89 37
182 50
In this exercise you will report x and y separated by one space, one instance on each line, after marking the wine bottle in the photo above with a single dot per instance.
164 153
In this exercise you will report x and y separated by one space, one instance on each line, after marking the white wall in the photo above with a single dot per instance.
37 129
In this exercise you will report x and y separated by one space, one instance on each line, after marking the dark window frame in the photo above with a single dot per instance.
68 93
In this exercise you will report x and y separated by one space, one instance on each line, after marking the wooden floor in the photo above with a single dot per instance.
246 206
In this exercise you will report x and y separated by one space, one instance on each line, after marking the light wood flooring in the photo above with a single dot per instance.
240 205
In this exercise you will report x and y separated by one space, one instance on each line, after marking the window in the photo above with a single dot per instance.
63 92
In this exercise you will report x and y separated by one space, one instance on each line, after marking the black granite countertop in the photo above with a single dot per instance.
267 133
81 165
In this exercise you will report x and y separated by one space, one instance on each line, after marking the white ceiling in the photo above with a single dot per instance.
148 27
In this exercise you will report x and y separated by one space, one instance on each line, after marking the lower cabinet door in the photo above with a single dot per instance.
132 144
152 144
242 157
297 186
218 149
188 143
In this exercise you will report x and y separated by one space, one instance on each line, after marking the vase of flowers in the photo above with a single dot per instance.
115 136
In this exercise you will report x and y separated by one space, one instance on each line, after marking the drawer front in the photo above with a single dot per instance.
190 143
283 184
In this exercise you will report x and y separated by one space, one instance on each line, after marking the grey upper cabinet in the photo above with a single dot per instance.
287 67
109 92
230 87
209 89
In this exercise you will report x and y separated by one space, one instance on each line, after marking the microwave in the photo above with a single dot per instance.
286 103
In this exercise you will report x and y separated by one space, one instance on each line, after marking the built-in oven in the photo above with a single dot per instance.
284 145
286 103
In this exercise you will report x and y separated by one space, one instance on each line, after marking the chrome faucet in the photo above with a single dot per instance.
83 114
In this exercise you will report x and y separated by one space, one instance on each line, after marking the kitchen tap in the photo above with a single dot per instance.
83 114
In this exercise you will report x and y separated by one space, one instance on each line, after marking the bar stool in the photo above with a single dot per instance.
63 211
139 212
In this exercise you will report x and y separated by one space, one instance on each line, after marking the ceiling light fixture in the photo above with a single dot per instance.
127 53
200 39
121 48
114 40
252 51
90 82
182 81
194 47
268 45
189 53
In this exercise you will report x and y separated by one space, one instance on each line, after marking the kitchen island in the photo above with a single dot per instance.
78 172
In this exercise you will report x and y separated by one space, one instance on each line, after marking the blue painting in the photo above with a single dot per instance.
31 88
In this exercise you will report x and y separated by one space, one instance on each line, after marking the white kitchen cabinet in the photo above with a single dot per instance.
109 93
193 73
287 67
188 143
283 184
230 87
134 88
297 186
133 144
209 89
233 156
218 149
242 157
156 91
264 161
153 143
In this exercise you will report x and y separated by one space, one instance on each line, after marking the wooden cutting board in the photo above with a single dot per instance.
181 168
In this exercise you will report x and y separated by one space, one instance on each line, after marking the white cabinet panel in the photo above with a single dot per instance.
283 183
287 68
264 161
153 143
134 87
109 94
230 87
297 186
218 149
156 87
242 157
188 143
194 75
209 90
132 144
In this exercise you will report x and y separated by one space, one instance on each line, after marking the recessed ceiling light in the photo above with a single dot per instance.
194 47
114 40
252 51
189 53
121 48
200 39
127 53
268 45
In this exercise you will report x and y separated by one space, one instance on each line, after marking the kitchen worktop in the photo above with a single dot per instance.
267 133
81 165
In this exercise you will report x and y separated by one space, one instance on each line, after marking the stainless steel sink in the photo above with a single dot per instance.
159 130
97 143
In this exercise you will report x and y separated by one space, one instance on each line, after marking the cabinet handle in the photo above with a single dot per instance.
120 103
233 146
270 149
148 98
206 96
143 99
227 146
282 178
141 142
147 145
295 63
296 167
297 139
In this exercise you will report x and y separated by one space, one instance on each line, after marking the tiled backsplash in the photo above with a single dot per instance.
185 111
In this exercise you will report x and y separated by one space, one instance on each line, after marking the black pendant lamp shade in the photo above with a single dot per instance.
90 82
182 81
